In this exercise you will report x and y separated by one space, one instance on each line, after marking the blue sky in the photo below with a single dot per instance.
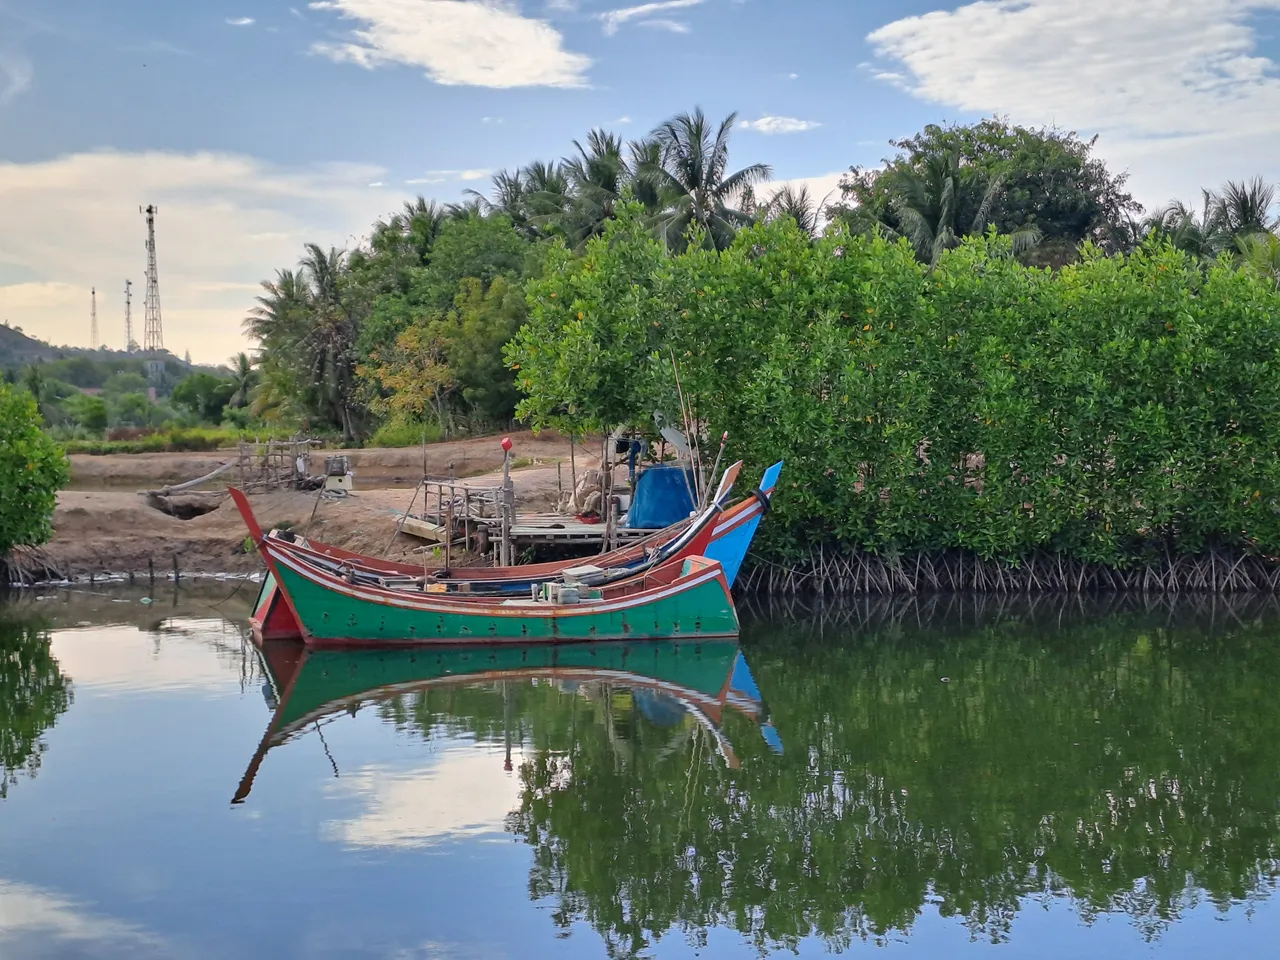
255 125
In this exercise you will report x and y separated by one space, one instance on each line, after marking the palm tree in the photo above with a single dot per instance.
419 224
935 208
796 205
329 343
645 158
1259 254
693 182
546 189
244 377
1180 225
509 199
596 179
1244 208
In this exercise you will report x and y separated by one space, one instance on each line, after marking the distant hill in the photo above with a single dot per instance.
17 349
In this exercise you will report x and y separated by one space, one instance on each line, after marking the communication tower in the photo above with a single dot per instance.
93 318
153 337
129 345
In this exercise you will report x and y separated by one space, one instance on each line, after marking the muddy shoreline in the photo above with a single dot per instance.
104 525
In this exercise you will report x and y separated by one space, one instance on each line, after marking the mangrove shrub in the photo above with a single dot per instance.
32 470
1120 408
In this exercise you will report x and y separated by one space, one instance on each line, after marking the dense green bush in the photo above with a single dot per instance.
1118 408
406 433
32 470
183 440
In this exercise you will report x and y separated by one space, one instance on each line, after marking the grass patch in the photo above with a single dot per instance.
175 440
401 433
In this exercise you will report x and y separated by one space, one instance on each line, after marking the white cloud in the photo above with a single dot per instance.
623 120
773 125
444 176
15 75
1178 89
793 76
240 22
36 922
483 43
824 188
562 6
462 793
224 219
613 19
671 26
129 659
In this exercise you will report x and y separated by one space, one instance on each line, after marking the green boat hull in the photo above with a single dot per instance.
333 615
329 680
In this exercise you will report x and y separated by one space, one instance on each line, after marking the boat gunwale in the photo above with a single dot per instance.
709 570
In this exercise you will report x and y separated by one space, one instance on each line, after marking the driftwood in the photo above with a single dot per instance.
178 488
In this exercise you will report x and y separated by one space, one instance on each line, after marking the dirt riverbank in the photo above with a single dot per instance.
103 525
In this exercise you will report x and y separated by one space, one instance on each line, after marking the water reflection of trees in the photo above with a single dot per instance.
33 693
1128 760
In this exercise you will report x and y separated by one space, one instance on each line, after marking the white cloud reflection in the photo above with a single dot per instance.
464 793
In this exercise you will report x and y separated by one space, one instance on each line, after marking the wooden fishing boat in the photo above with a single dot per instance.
683 598
309 686
729 539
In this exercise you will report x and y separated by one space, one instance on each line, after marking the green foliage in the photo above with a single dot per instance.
1068 756
479 248
121 383
406 433
87 412
32 470
173 440
1018 178
34 692
1110 411
205 396
485 321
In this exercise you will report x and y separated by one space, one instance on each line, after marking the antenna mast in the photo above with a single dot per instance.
93 318
128 317
153 337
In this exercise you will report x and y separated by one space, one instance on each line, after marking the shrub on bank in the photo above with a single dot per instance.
1118 409
32 470
177 440
406 433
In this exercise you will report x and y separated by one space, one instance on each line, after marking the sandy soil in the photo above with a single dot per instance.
113 530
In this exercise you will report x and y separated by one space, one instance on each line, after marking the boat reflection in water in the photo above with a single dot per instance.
668 681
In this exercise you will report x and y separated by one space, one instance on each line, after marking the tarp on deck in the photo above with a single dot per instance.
663 497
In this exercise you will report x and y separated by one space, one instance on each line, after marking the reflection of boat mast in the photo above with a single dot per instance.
332 762
506 723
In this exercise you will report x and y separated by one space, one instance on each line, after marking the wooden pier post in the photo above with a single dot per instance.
466 519
448 538
508 503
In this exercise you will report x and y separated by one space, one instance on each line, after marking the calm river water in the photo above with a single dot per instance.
935 779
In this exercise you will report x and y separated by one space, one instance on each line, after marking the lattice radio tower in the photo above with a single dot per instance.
93 318
128 317
153 336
